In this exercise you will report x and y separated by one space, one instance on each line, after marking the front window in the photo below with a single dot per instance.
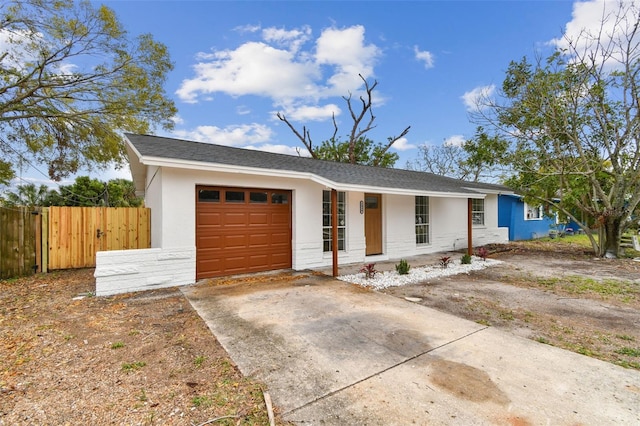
327 223
532 213
422 219
477 211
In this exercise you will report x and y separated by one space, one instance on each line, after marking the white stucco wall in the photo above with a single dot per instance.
447 228
171 195
123 271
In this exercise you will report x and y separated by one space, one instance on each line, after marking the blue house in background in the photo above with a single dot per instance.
525 222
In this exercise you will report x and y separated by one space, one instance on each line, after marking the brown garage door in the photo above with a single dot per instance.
240 230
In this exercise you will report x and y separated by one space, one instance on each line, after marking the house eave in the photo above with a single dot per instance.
225 168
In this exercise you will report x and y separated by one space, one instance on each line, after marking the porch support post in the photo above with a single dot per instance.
334 230
469 227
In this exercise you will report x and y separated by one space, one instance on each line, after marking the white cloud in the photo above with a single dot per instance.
177 119
237 135
345 49
311 113
280 69
403 144
454 140
473 99
254 68
292 40
424 56
247 28
595 19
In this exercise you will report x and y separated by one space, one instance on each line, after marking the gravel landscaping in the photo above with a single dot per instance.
387 279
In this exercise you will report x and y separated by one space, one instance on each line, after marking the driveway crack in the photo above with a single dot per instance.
378 373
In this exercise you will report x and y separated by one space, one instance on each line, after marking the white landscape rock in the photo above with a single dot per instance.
417 275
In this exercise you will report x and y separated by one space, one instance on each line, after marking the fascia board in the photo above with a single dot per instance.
225 168
490 191
138 170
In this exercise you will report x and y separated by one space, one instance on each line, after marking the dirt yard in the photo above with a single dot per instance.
552 293
140 359
147 358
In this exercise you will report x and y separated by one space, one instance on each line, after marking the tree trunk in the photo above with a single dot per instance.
612 227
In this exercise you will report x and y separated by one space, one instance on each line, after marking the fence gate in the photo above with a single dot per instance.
75 234
18 241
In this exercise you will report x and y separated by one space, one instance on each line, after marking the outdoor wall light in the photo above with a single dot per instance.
361 206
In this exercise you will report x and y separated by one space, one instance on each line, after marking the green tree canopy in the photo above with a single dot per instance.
574 126
479 159
28 195
84 192
71 80
93 192
365 151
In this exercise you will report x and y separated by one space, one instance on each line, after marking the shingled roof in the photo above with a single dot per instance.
152 150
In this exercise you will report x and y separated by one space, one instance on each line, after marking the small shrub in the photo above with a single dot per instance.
369 270
466 259
117 345
482 253
445 261
403 267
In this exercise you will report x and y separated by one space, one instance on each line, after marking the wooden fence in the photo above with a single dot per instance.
67 237
17 242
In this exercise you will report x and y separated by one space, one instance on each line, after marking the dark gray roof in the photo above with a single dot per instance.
340 173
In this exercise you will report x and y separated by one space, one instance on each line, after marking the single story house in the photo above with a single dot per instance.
524 221
218 210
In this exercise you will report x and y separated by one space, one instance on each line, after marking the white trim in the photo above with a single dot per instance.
225 168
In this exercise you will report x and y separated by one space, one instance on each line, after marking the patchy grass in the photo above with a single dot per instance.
575 284
634 352
128 367
55 350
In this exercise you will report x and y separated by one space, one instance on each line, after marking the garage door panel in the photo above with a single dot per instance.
235 218
213 266
280 218
235 242
210 219
258 218
280 238
241 237
259 261
259 240
280 260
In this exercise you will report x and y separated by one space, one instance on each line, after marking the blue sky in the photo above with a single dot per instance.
238 63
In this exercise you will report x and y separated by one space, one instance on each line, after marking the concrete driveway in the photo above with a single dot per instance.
333 353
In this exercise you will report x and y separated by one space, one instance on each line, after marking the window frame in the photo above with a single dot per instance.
528 208
422 220
327 222
478 211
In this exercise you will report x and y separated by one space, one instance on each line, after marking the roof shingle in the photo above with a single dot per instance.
340 173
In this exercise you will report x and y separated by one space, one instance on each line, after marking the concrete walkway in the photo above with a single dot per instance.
332 353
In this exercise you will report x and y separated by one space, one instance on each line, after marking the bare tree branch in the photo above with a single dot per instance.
305 137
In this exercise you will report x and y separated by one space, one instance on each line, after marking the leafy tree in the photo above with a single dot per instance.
122 193
574 125
357 149
28 195
477 159
71 80
365 151
87 192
